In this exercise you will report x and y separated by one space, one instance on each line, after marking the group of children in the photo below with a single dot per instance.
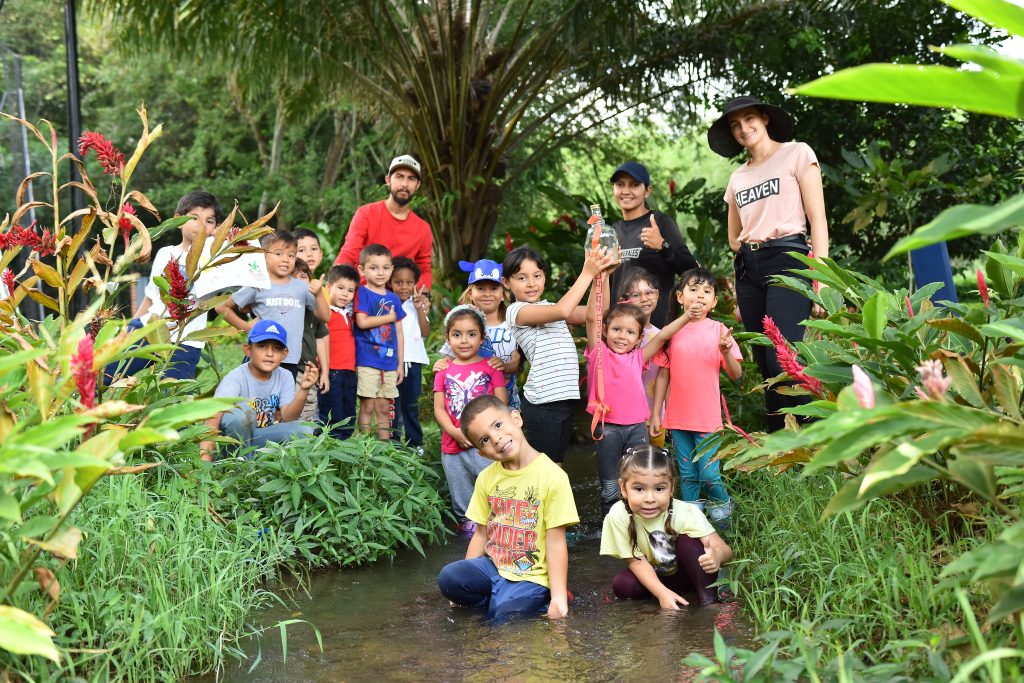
314 347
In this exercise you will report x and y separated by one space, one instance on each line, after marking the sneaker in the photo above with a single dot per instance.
719 514
466 529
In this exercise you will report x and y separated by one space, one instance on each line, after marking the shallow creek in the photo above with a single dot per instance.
389 622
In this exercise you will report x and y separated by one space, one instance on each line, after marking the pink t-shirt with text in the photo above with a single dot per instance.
623 384
767 195
694 361
460 384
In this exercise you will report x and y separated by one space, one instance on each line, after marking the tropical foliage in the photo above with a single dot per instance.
917 399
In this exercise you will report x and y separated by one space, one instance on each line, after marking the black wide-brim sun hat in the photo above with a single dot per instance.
781 127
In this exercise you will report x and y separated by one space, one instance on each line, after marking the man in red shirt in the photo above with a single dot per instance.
392 223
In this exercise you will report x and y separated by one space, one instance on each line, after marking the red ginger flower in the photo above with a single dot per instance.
177 298
982 287
81 370
672 186
110 158
9 282
124 224
45 244
788 360
508 241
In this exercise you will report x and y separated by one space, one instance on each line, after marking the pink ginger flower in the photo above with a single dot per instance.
110 158
862 388
982 287
788 359
124 224
9 281
934 381
910 307
81 370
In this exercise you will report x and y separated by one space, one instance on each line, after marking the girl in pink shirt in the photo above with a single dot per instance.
689 370
617 345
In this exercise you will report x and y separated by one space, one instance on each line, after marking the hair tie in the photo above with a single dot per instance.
466 307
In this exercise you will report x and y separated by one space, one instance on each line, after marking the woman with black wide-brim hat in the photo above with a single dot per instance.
772 197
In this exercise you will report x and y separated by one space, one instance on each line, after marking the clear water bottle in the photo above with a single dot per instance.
607 238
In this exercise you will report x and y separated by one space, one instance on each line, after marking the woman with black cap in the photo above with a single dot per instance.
771 197
648 239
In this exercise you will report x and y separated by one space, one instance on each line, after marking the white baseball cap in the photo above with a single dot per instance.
407 161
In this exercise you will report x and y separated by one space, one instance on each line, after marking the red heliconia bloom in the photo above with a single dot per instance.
177 298
910 307
982 287
110 158
81 370
788 360
124 224
9 282
672 186
508 241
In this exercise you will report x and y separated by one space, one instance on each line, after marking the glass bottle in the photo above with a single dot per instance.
607 238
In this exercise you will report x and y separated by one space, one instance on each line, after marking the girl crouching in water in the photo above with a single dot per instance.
668 545
466 377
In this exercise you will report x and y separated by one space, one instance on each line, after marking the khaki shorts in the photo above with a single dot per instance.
374 383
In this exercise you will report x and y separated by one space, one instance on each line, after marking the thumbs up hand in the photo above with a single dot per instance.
709 561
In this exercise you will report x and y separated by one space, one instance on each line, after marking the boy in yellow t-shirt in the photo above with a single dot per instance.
518 560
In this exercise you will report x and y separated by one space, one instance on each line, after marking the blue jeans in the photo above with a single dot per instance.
693 475
240 423
182 364
406 426
339 403
477 583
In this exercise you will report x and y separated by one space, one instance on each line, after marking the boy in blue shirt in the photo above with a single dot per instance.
379 368
285 302
271 402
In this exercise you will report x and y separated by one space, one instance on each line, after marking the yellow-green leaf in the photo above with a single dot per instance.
24 634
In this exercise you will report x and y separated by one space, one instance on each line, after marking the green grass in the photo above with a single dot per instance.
859 591
161 588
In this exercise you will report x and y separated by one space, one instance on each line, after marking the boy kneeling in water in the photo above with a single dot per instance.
518 560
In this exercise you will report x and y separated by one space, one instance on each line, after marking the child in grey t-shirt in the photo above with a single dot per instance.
283 303
287 299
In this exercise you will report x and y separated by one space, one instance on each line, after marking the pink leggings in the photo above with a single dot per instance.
689 577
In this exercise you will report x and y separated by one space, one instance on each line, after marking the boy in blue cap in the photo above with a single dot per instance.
271 403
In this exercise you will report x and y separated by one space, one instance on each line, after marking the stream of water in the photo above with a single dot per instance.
389 622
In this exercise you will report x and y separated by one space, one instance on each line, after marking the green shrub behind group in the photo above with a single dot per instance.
341 502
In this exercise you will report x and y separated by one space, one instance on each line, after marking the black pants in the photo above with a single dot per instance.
548 426
757 297
407 408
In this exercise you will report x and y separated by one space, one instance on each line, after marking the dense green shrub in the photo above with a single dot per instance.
340 502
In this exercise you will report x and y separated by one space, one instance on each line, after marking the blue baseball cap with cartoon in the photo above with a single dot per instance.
484 269
267 330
